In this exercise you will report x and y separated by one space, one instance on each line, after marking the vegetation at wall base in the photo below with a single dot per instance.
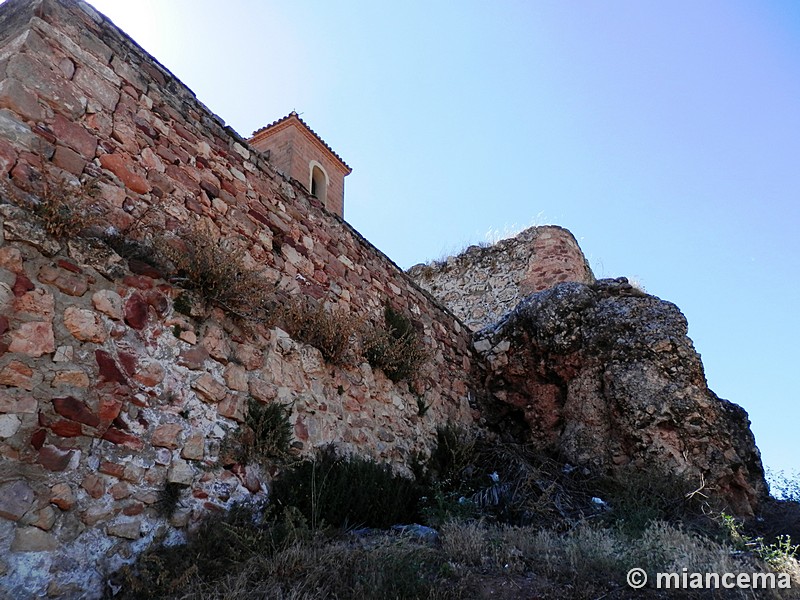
555 542
347 492
265 436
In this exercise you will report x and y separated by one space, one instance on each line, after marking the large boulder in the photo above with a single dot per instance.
606 376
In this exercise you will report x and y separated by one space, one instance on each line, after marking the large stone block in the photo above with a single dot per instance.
14 96
33 339
50 85
33 539
85 325
16 498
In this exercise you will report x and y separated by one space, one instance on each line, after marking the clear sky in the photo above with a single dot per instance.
664 135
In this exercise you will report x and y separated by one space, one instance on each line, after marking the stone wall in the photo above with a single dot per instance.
106 391
483 283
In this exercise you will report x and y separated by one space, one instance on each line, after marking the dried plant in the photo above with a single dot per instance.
330 331
63 208
394 347
215 269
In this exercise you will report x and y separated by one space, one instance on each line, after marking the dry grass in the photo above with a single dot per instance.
394 347
215 270
472 560
64 208
332 332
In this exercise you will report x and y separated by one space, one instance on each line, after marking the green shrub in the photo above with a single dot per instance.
454 452
213 550
394 348
265 435
347 492
639 497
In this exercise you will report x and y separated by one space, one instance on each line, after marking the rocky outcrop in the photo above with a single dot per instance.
606 376
483 283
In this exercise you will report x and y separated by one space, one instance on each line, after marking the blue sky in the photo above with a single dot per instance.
664 135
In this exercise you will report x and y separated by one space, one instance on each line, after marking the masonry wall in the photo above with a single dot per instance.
482 284
106 391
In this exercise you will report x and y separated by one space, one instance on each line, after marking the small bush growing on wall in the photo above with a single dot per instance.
394 348
61 208
216 271
266 433
169 498
331 332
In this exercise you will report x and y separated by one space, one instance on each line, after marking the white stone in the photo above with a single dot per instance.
9 425
241 150
346 262
180 472
63 354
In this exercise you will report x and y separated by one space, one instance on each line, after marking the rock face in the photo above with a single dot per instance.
606 376
483 283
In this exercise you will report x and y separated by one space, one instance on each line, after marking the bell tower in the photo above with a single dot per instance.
296 150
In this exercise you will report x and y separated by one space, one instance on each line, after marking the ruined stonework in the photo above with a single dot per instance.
107 392
606 377
483 283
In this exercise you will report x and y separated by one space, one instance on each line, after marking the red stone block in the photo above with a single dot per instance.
109 408
113 469
117 436
193 358
67 429
75 410
108 368
69 266
133 508
210 189
3 324
69 160
74 136
54 459
94 485
179 174
158 301
37 439
128 362
168 155
136 311
121 167
22 285
34 339
140 283
193 205
72 285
